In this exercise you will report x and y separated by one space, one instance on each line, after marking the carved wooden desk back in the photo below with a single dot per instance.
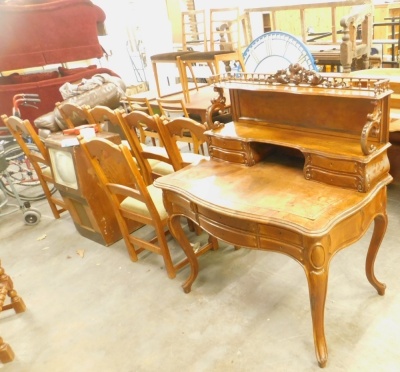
339 123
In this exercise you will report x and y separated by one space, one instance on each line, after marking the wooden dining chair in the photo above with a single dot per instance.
40 160
171 134
174 108
225 46
132 103
194 30
105 118
153 161
132 199
72 114
142 104
171 58
194 39
227 35
109 120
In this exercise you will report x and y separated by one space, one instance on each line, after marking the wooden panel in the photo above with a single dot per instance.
340 116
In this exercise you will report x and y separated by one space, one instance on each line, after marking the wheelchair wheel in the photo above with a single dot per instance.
32 216
23 175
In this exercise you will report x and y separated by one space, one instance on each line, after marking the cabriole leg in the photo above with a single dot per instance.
316 268
380 225
177 231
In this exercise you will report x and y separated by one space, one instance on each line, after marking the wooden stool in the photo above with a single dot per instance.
7 289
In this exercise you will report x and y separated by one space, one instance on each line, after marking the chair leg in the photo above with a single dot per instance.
50 199
17 303
183 77
242 66
154 64
7 289
211 66
214 242
190 67
127 237
216 67
6 353
165 253
131 249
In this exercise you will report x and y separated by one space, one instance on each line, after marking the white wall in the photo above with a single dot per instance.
128 20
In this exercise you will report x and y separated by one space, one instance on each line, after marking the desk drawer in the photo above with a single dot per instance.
231 156
227 144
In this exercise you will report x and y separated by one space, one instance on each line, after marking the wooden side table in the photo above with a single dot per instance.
7 290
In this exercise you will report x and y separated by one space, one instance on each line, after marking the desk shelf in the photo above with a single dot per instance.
342 132
334 160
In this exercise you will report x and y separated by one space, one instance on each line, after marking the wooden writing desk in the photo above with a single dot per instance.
300 171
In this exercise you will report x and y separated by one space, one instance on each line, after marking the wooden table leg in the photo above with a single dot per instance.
380 225
316 268
177 231
317 282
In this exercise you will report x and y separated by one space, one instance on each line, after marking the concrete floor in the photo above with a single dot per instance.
248 310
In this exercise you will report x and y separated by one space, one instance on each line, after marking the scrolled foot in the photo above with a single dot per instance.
322 363
321 351
187 287
381 288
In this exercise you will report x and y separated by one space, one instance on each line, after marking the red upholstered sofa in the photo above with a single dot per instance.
36 34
